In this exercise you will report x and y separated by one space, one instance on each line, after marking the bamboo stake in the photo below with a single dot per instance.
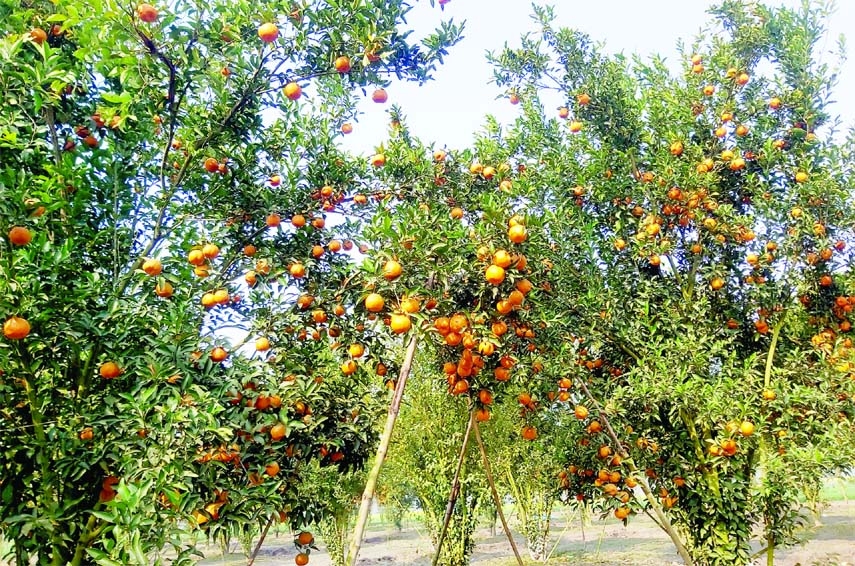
382 449
642 481
455 489
488 470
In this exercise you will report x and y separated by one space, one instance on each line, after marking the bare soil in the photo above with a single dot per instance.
832 543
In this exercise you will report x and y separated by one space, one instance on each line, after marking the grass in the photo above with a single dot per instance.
839 489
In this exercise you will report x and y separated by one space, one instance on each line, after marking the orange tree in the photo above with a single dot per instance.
147 156
453 254
701 229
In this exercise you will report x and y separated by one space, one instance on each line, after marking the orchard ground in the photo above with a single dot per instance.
600 543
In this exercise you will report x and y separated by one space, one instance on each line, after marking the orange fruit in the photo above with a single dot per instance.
348 367
163 289
273 220
297 270
410 305
342 64
268 32
581 412
152 267
374 302
219 354
262 344
147 13
301 559
457 213
196 257
16 328
20 236
346 128
400 323
212 165
379 96
378 160
292 91
38 35
210 251
746 428
110 370
517 234
305 538
356 350
502 259
529 433
271 469
392 270
495 275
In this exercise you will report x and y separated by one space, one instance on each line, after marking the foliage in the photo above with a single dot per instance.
700 233
144 149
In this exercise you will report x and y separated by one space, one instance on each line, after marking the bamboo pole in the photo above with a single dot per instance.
496 499
455 489
382 449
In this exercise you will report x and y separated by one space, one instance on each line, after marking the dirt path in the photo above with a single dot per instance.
604 544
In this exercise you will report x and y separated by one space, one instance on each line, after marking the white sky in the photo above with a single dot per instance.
449 109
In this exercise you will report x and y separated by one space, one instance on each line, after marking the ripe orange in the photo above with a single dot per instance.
297 270
482 414
147 13
305 538
575 126
301 559
110 370
410 305
342 64
458 323
563 112
400 323
16 328
677 148
219 354
271 469
502 259
513 98
152 267
746 428
346 128
581 412
268 32
495 275
212 165
457 213
517 234
210 251
379 96
196 257
38 35
801 177
524 286
775 103
529 433
716 283
262 344
583 99
374 302
292 91
392 270
86 434
20 236
378 160
163 289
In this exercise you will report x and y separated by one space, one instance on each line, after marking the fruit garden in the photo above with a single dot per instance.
638 303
